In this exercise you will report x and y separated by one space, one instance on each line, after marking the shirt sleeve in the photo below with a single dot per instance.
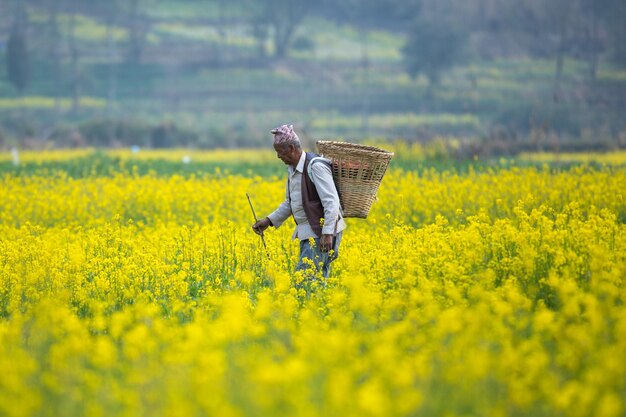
282 213
323 179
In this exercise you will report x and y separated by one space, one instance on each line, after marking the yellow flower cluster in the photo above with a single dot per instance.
488 293
174 155
609 158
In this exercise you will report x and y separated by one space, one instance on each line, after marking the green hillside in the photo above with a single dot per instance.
201 80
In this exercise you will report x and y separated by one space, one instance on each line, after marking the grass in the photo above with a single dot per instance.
100 164
87 29
397 121
42 102
186 10
342 43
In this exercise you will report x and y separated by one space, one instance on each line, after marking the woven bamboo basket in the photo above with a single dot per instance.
357 171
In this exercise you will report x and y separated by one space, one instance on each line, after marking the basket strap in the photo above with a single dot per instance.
312 161
309 172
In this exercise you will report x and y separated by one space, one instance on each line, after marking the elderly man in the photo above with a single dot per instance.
311 199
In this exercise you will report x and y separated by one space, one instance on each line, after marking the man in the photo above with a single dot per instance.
311 199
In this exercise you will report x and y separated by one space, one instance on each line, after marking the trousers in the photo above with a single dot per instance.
312 259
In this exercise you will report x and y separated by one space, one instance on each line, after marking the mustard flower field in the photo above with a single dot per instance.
491 291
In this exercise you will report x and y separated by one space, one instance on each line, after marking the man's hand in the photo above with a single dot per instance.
326 243
261 225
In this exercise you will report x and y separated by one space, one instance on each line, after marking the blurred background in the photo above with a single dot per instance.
490 76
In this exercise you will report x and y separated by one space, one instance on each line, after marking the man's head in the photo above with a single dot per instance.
287 144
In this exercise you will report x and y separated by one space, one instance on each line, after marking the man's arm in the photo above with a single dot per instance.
275 219
281 214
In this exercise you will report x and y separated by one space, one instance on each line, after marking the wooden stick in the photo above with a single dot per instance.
256 220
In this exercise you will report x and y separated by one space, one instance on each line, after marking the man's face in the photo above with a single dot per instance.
287 153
